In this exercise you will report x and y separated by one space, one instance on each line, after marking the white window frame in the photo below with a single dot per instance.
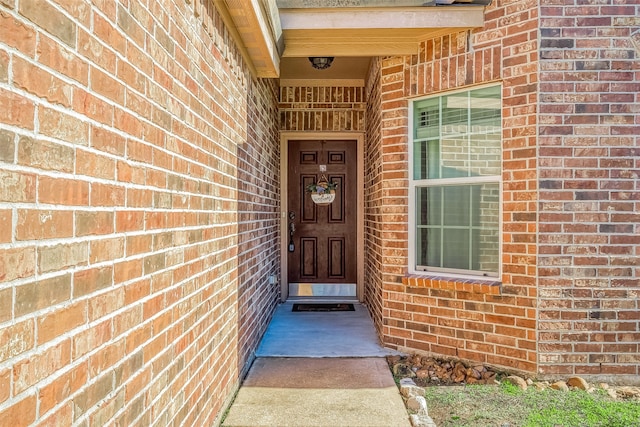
414 184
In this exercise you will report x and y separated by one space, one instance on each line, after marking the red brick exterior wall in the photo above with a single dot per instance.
373 196
138 220
322 108
476 320
589 169
568 296
258 161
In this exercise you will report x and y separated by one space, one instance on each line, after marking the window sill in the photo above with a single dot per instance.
478 286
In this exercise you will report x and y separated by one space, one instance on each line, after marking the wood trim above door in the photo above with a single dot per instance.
358 137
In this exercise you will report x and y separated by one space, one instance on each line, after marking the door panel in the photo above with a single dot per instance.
309 256
336 209
336 258
324 237
307 207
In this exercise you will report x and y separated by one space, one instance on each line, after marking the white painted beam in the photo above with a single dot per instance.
260 32
380 18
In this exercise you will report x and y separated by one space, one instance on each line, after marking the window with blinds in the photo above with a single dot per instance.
455 185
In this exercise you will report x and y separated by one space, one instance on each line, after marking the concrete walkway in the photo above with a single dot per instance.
319 369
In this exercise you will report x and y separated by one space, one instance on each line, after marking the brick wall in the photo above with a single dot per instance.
322 109
589 166
258 218
482 321
138 225
373 196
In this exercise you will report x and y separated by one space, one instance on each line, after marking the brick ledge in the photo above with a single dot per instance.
479 286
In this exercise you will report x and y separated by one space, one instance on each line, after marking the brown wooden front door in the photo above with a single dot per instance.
322 247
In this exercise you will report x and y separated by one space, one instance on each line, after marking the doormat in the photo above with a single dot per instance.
323 307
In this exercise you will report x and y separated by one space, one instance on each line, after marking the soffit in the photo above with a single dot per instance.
366 31
271 30
349 70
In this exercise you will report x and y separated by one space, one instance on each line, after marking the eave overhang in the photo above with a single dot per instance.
257 24
371 31
269 30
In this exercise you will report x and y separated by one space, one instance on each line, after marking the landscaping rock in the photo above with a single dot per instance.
517 381
421 421
408 388
628 392
392 360
418 404
407 381
415 360
428 370
422 374
560 386
539 386
429 362
578 382
403 370
612 393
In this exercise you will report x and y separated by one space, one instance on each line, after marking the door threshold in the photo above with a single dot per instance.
321 300
320 290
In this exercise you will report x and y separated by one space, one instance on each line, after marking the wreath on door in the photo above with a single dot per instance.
322 192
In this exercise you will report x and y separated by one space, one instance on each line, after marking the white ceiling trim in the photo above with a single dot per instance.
322 82
381 18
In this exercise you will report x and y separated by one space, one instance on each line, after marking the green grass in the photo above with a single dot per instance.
508 406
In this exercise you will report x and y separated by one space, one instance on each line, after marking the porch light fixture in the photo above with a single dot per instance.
321 62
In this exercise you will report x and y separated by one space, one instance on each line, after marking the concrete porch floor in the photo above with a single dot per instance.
321 334
319 369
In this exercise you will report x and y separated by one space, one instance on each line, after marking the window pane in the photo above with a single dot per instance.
456 248
486 205
460 136
454 139
458 228
419 160
487 254
484 154
455 156
486 107
427 118
429 206
486 217
455 113
426 163
485 131
456 205
429 244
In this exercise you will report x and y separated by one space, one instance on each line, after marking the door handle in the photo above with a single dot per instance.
292 229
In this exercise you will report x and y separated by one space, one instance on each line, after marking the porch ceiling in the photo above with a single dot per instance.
370 31
275 29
